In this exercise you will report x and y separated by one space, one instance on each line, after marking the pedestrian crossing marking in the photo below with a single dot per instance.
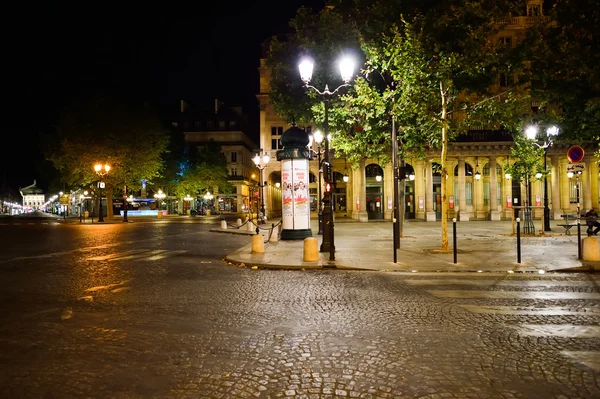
590 359
533 311
466 294
512 283
559 330
139 254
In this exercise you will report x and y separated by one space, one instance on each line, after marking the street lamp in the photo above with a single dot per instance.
188 199
101 171
531 133
261 160
318 137
159 197
346 66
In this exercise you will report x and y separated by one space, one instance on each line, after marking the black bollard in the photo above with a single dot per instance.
518 240
454 237
578 237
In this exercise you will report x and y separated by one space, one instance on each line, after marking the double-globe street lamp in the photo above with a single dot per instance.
101 171
261 160
532 133
346 66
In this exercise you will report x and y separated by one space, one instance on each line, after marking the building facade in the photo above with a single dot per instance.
228 127
33 197
478 188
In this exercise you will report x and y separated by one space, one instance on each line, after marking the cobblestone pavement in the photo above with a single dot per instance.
157 315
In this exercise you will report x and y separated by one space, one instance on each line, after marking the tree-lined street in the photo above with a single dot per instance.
147 309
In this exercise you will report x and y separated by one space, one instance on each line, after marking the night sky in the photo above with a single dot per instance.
158 54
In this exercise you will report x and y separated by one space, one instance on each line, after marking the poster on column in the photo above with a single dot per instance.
301 197
538 200
287 212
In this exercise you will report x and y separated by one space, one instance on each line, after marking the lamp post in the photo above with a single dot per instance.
159 197
188 199
346 66
570 176
101 171
208 197
261 160
531 133
318 137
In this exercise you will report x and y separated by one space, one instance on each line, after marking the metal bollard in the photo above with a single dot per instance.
518 240
454 237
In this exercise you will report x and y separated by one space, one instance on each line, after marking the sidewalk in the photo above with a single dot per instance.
482 246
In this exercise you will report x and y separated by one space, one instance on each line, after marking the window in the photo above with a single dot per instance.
234 156
499 192
232 124
533 10
221 124
233 171
197 125
486 193
469 192
276 130
309 129
505 41
504 80
210 124
573 191
186 125
276 144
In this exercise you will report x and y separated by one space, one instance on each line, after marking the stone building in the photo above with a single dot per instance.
33 197
227 126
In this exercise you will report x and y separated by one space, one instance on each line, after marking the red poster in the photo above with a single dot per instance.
508 201
451 202
358 203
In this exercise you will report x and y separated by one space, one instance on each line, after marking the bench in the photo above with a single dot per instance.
568 222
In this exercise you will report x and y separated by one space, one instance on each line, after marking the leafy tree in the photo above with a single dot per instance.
527 162
430 65
566 66
100 128
204 169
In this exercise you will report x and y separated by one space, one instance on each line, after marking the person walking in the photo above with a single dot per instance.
591 219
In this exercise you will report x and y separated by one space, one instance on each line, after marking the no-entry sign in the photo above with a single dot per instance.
575 154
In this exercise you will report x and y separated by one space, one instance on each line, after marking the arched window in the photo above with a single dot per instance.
468 170
373 170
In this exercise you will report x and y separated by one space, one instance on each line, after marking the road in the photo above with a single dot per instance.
149 310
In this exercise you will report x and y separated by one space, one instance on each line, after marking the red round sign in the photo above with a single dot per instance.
575 154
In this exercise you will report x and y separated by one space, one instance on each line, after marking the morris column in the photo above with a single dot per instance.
295 197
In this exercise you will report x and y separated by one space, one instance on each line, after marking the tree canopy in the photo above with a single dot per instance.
100 128
431 65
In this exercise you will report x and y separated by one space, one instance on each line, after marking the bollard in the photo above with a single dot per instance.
578 237
454 236
518 240
238 222
258 245
311 250
274 234
224 224
250 226
591 249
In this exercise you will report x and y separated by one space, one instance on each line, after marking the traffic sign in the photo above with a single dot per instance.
575 154
64 199
575 167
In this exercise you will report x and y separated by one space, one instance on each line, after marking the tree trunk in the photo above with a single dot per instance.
109 203
444 172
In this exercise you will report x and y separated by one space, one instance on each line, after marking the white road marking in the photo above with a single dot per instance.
118 255
559 330
512 283
590 359
464 294
529 310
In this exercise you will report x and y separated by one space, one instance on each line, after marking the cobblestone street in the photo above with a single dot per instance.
138 320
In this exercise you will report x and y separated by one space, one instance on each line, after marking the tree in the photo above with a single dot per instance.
100 128
203 170
566 65
429 65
